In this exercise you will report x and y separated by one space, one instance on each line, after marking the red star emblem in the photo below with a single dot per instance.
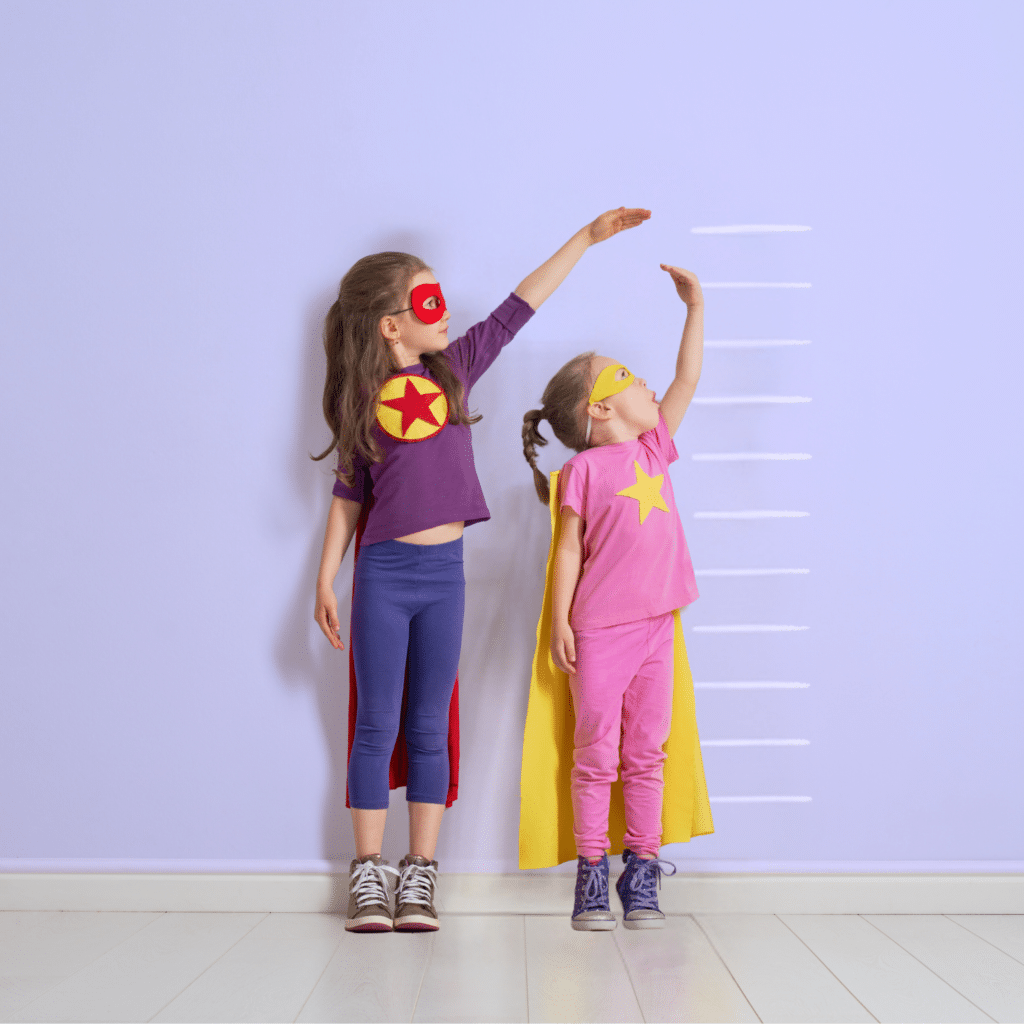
413 406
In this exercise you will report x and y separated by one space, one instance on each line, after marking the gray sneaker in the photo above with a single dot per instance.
369 895
414 904
590 912
638 886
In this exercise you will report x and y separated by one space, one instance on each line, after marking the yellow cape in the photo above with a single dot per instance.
545 804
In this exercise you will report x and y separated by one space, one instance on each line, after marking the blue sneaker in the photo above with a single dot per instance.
591 912
638 886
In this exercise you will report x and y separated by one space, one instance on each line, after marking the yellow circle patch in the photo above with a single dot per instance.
411 407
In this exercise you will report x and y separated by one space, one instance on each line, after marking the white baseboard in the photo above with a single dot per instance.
677 854
521 893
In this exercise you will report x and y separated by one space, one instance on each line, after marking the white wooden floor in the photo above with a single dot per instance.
114 966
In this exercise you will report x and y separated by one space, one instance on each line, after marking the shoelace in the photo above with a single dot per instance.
416 884
646 881
369 883
595 887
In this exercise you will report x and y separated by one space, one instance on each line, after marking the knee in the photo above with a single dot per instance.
375 733
642 764
426 735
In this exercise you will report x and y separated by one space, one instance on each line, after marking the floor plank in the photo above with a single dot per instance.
891 983
778 974
989 978
372 977
141 975
1005 931
576 976
40 949
678 976
477 971
267 976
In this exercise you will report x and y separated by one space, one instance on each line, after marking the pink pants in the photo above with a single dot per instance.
621 691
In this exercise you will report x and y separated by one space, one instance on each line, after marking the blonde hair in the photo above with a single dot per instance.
563 406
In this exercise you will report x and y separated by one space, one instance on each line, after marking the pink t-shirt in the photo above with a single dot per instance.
635 561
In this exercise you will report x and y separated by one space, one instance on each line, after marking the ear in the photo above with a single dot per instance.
389 330
599 411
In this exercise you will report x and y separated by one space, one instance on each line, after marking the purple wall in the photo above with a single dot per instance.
184 184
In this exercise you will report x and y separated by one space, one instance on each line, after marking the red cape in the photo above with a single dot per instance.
398 774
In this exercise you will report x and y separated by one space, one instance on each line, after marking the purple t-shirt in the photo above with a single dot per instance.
635 561
421 484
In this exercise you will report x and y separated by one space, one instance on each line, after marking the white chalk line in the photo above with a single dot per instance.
754 628
751 686
752 514
747 229
755 743
756 284
751 572
754 343
749 456
750 400
760 799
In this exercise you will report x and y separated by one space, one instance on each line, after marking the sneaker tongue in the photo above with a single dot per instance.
415 858
373 858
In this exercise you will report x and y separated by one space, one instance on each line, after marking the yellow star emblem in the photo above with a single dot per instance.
647 491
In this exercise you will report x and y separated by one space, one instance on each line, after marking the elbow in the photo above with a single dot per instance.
529 297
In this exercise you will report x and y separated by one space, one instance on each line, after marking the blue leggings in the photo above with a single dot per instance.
408 603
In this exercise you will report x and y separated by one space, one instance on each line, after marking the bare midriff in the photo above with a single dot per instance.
435 535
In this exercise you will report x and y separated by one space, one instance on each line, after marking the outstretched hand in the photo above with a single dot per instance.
687 286
614 221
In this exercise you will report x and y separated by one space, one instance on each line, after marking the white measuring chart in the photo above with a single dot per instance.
741 573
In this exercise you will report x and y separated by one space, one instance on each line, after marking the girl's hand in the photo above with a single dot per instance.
687 285
563 647
614 221
326 616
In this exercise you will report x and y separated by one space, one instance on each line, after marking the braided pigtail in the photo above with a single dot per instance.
532 440
564 407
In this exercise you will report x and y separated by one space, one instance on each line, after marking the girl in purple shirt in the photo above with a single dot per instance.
621 569
395 399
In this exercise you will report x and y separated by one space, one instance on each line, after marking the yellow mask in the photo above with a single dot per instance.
606 385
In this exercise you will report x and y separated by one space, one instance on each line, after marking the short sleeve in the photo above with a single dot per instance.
574 490
661 441
357 492
474 352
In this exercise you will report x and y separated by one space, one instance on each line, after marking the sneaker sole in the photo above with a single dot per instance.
645 922
417 923
369 924
593 926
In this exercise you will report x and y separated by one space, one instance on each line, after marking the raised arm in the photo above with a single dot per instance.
535 288
691 349
341 524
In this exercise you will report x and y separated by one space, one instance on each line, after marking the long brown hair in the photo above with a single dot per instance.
359 360
564 402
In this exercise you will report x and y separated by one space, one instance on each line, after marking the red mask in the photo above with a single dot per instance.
420 296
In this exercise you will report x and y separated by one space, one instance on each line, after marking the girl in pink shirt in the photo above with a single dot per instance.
621 569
